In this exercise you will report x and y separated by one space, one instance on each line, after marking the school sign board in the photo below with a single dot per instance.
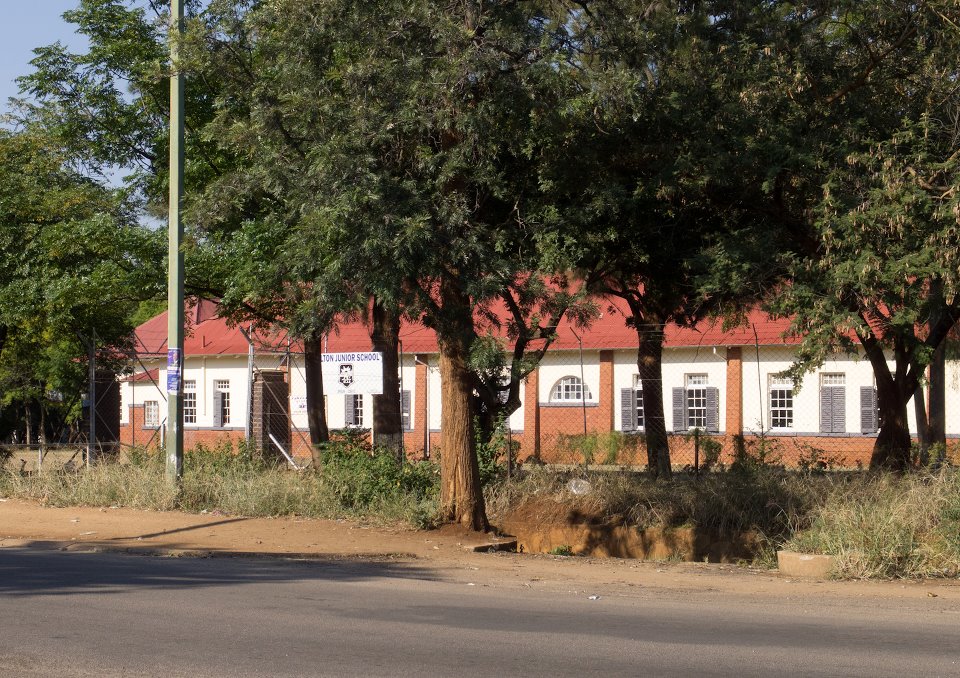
352 373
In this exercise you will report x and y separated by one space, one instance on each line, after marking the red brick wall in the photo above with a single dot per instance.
734 391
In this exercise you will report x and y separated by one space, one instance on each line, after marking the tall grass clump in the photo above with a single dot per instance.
889 526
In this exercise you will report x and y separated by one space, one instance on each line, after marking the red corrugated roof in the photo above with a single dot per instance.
209 334
149 375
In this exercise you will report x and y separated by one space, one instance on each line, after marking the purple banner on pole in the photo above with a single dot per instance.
174 367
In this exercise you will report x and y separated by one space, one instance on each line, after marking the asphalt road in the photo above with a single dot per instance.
71 614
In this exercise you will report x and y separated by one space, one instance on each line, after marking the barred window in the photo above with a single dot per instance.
697 401
151 413
190 401
570 389
781 402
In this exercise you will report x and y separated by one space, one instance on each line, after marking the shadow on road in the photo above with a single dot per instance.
199 526
32 571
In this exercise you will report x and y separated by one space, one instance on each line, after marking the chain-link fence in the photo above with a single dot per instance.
719 404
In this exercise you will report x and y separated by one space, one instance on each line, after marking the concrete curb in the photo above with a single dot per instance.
793 564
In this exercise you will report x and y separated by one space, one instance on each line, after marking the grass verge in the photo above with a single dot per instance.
350 482
876 525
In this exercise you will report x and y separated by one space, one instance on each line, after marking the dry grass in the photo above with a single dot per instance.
354 485
877 525
889 526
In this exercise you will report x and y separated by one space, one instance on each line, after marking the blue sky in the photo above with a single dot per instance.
27 25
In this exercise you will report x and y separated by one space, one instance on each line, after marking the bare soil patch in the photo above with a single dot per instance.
542 525
436 554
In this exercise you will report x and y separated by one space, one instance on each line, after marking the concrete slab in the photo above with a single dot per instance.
795 564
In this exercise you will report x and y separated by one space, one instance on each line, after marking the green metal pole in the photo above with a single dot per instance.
175 358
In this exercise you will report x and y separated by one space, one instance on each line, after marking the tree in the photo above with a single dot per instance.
871 194
395 137
655 171
73 269
108 108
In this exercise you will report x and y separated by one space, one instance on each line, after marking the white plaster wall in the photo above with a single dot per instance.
408 382
953 397
806 399
680 362
559 364
516 419
434 399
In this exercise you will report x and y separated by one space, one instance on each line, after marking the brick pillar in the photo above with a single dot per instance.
420 423
605 397
734 391
531 413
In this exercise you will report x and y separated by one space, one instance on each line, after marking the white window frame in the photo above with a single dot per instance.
639 417
357 410
570 389
151 420
189 401
696 395
780 402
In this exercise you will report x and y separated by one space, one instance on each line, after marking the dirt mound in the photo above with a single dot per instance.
545 525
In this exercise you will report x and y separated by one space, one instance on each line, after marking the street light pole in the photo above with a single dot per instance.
174 465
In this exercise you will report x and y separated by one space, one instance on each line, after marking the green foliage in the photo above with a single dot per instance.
607 447
493 451
562 550
73 266
362 481
749 456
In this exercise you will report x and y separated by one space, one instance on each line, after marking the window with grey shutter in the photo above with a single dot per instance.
869 419
628 409
713 409
405 411
349 410
839 409
217 409
832 404
679 409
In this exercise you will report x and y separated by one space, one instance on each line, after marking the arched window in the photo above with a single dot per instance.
569 390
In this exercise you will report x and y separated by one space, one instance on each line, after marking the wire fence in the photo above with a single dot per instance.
717 405
589 407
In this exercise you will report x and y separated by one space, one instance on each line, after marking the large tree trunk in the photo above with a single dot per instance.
938 401
650 369
461 497
891 450
923 425
387 420
316 410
